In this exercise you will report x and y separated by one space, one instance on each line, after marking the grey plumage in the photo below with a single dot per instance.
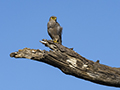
54 30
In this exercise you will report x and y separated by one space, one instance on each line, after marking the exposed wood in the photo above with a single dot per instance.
70 62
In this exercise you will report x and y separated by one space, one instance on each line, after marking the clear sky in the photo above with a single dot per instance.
91 27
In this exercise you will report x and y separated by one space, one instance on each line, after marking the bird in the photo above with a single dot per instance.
54 30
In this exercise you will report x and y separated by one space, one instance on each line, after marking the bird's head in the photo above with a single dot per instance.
54 18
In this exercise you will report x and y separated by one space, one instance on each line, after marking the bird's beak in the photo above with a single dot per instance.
53 18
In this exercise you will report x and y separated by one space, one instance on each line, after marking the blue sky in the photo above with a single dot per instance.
91 27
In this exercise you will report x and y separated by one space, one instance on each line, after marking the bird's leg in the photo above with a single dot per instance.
55 41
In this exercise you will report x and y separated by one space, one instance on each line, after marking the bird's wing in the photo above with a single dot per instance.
59 29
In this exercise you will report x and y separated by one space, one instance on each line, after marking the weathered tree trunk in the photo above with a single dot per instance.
70 62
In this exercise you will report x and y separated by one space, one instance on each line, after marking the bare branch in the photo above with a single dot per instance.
70 62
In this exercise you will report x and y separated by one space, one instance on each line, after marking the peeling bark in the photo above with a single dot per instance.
71 63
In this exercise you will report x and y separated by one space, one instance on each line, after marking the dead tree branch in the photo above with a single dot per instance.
70 62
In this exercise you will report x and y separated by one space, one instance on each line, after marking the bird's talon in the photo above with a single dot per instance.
55 41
